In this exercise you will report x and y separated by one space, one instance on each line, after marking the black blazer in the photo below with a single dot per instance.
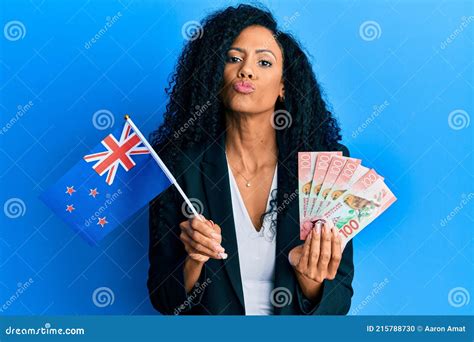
203 175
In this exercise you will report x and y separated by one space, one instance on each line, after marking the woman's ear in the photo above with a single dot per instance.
282 91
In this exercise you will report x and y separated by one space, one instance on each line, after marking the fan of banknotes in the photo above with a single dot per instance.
339 189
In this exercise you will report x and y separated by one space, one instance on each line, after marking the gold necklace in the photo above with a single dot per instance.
247 181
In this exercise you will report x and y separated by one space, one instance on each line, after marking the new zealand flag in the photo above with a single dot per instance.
107 186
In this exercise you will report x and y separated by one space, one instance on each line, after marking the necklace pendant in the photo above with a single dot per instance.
248 184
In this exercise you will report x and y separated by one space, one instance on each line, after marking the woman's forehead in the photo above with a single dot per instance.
256 38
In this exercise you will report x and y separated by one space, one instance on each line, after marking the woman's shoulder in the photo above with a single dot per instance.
343 149
187 161
337 147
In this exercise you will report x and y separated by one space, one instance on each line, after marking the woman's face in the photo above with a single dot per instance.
253 72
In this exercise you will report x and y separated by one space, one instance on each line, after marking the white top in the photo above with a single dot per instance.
256 252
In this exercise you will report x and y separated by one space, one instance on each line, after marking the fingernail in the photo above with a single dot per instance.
318 227
215 235
218 248
326 229
212 222
223 255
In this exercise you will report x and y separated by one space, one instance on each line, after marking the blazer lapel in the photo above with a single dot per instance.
287 236
215 177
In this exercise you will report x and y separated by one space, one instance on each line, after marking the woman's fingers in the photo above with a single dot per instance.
336 249
194 247
202 236
199 238
204 227
215 235
314 251
295 255
207 228
303 263
216 232
198 257
325 250
320 254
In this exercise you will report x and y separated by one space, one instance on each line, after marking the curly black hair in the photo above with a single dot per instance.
197 80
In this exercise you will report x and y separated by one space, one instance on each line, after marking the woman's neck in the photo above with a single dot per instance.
251 141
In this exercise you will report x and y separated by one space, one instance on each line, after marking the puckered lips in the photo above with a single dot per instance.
243 87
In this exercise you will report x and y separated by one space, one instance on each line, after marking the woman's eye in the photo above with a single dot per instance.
233 59
265 63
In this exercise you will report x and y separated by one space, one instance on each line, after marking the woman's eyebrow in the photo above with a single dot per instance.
257 51
265 50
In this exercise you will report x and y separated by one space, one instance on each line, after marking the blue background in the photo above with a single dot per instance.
426 162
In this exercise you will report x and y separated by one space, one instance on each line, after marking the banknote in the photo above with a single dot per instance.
360 205
339 189
334 169
341 183
306 162
322 163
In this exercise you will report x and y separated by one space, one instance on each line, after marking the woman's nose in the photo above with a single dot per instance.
246 73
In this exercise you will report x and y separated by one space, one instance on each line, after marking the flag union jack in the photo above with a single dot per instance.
118 153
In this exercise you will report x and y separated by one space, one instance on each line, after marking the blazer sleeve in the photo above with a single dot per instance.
337 293
166 256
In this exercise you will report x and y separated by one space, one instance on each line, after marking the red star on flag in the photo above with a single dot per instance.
102 221
93 192
70 190
70 207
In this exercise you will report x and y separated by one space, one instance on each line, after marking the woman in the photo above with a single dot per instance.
224 140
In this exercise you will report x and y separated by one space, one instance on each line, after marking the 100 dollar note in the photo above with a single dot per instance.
360 205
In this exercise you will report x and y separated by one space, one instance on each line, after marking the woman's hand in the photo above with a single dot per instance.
202 239
317 259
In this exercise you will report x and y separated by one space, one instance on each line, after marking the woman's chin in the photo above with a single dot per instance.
243 110
247 107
